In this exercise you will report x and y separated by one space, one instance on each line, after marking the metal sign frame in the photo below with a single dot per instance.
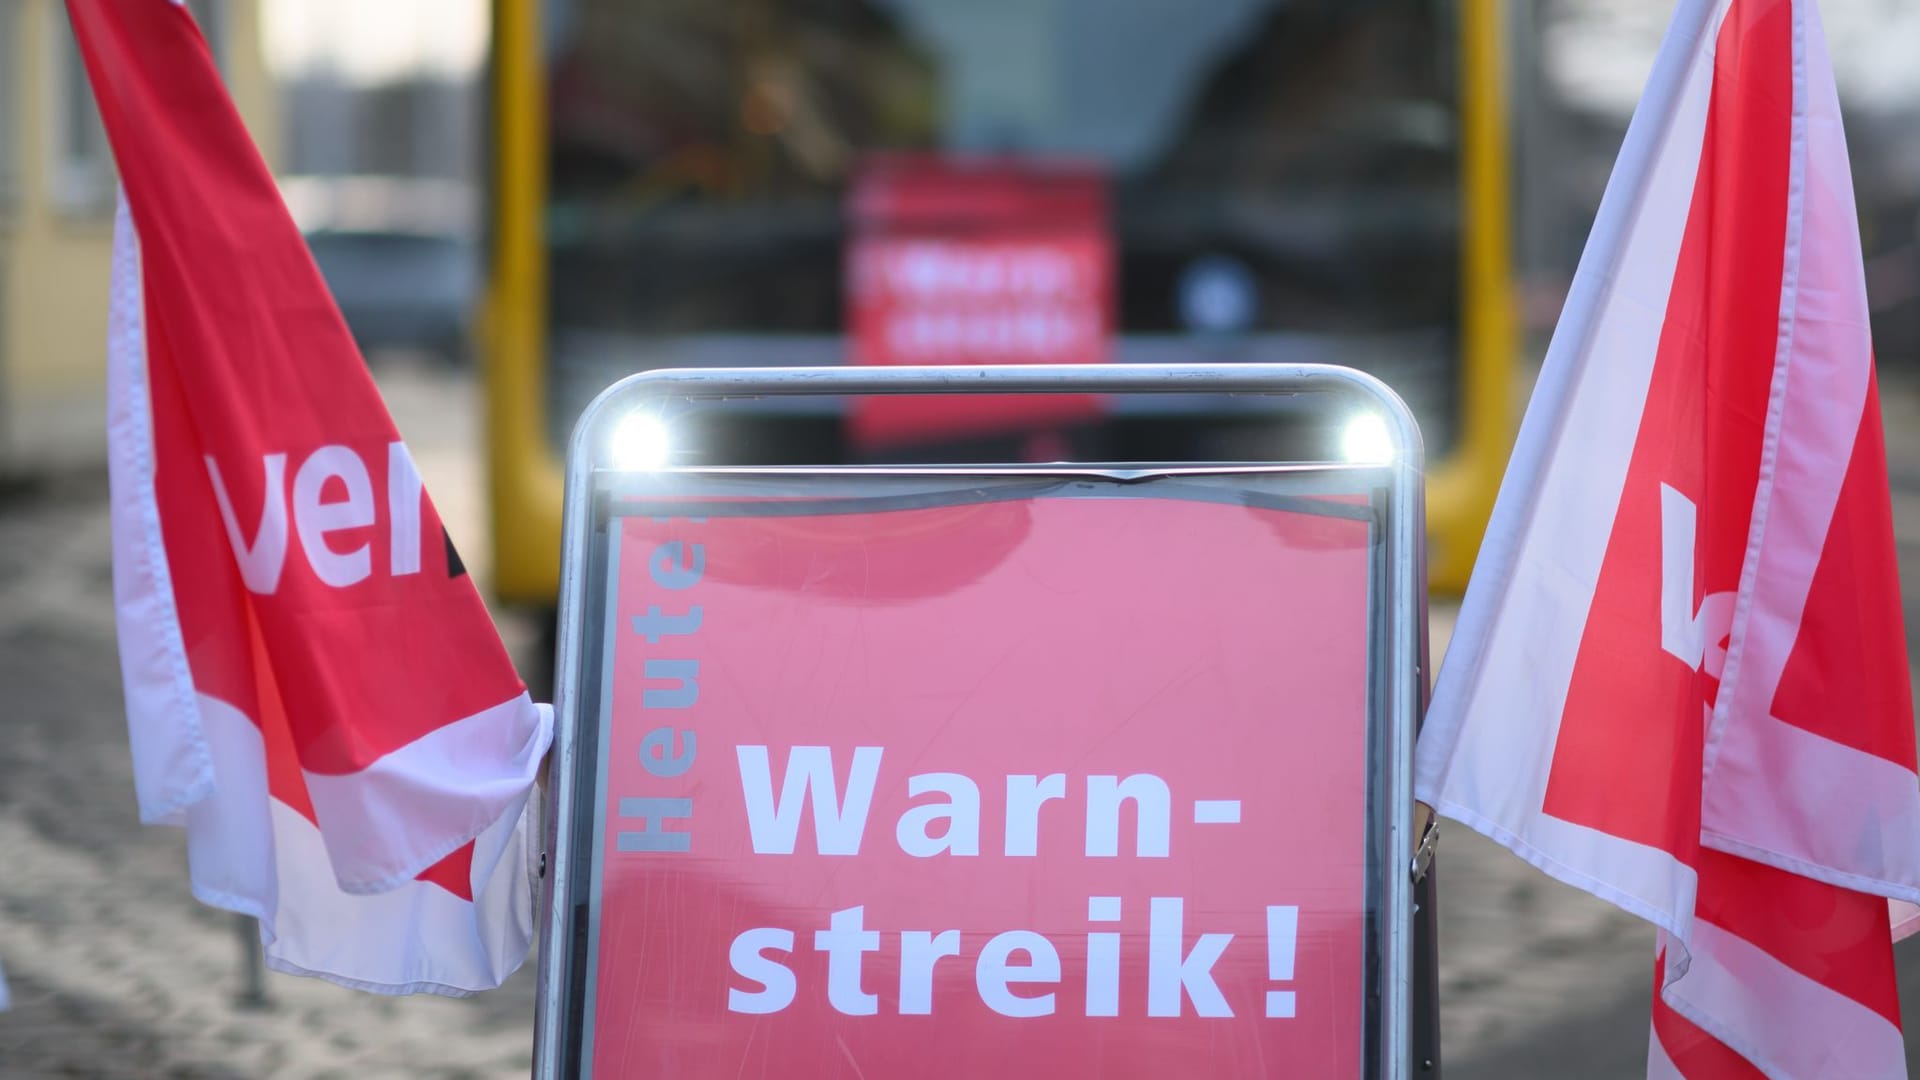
1406 1033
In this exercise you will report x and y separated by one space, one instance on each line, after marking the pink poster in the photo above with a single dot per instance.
1060 786
975 263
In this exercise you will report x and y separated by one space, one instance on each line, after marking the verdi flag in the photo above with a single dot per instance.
1680 678
314 689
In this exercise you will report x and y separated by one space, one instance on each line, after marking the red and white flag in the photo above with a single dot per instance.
314 689
1679 679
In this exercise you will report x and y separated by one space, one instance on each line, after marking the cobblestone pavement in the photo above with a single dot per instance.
117 972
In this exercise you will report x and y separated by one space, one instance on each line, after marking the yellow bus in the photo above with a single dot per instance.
669 184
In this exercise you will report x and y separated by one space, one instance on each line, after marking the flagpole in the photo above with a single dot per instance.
253 965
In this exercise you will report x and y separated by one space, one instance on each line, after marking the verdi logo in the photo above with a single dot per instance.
331 499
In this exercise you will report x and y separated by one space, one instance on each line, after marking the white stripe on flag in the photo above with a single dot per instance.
388 813
1819 390
414 938
1638 879
172 768
1808 777
1786 1024
252 854
230 855
1603 354
1819 395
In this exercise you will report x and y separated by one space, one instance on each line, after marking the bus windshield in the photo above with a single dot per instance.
1277 179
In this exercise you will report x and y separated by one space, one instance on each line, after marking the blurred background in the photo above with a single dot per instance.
516 202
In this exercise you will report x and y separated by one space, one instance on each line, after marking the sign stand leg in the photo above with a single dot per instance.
1426 974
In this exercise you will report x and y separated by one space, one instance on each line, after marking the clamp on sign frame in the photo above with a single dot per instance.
1406 1034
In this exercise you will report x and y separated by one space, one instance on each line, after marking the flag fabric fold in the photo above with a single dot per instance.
1679 677
314 689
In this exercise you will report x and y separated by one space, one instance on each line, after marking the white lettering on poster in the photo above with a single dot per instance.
1017 972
